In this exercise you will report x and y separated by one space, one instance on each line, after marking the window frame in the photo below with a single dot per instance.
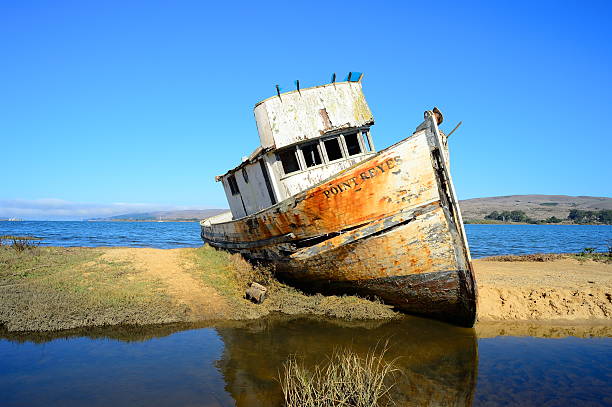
297 158
315 143
368 138
357 137
324 148
320 143
233 185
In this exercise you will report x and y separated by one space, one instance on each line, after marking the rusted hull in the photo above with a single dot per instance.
387 227
388 266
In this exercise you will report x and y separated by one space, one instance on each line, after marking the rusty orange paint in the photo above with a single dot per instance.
386 222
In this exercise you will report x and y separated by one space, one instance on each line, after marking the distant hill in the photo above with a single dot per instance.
191 214
537 207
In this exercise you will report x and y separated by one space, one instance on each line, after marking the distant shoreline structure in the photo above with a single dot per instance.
185 215
142 220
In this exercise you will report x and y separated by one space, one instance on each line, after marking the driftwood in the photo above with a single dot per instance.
256 293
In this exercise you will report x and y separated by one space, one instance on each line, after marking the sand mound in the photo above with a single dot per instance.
564 289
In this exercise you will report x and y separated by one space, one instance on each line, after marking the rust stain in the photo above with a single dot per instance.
327 124
353 230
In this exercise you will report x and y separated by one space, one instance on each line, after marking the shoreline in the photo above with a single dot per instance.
144 220
484 222
483 330
47 289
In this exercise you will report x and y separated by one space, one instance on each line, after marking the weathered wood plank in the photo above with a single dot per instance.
395 179
389 226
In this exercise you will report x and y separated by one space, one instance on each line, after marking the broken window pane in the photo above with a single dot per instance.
352 144
311 154
332 146
366 141
289 161
231 180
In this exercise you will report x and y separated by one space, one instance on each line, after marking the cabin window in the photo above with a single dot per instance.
366 141
231 180
332 147
311 154
245 175
289 160
352 144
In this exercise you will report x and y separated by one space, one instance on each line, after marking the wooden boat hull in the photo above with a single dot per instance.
387 227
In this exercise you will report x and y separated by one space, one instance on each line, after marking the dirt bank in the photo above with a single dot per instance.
561 289
52 288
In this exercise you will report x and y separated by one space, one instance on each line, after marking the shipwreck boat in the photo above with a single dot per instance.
332 214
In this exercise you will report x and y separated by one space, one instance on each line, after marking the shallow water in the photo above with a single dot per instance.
238 364
484 240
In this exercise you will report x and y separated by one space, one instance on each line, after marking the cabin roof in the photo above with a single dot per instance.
304 89
272 143
258 152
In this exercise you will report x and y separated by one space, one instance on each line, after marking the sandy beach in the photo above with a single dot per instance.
53 288
564 289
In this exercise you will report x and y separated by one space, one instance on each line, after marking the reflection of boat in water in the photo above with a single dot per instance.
439 362
329 212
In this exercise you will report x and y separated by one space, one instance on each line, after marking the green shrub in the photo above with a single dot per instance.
20 243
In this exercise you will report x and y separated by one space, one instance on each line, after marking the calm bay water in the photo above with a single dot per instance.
493 240
238 365
162 235
484 240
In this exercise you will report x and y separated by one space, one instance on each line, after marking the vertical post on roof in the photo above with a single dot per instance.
297 84
360 78
333 78
349 76
278 90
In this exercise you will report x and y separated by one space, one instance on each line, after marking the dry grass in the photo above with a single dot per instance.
227 273
538 257
545 257
51 288
345 380
230 275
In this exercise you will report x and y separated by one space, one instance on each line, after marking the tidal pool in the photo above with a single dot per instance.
237 364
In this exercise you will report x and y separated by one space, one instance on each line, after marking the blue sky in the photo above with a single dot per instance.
143 103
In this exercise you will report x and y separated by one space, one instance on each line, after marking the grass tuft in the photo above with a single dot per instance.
589 253
346 379
20 243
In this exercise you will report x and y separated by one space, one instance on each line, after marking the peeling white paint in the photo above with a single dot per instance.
291 118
